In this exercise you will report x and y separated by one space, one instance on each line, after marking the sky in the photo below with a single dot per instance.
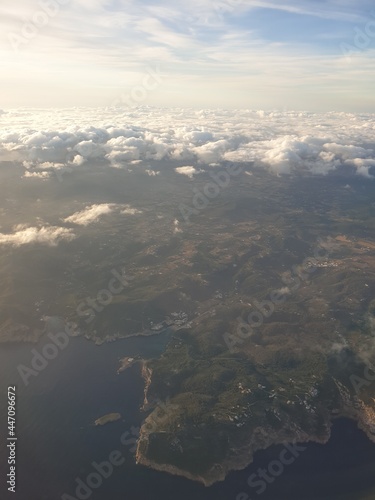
313 55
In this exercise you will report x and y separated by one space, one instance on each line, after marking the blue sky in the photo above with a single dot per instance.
256 54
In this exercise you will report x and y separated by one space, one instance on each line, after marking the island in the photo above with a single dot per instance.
126 363
106 419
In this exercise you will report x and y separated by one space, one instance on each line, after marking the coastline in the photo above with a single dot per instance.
245 457
260 439
23 336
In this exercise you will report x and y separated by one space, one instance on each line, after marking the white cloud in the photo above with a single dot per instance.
176 228
130 211
37 175
46 235
347 152
363 167
152 173
78 57
88 149
78 160
188 171
49 166
283 142
90 214
212 152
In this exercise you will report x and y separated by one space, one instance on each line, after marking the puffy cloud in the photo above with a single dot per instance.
152 173
130 211
281 142
37 175
78 160
88 149
347 152
282 156
90 214
188 170
212 151
46 235
49 166
363 166
176 228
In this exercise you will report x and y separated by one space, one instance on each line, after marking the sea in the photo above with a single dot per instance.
58 443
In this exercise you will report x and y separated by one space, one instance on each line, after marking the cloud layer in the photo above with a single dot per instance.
282 142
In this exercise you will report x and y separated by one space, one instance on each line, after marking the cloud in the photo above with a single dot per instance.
283 142
87 149
130 211
46 235
78 160
226 52
176 228
363 167
325 10
152 173
90 214
44 170
37 175
347 152
189 171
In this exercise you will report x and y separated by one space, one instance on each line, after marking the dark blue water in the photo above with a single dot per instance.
57 441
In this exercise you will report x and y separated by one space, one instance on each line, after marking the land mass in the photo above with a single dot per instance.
268 291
